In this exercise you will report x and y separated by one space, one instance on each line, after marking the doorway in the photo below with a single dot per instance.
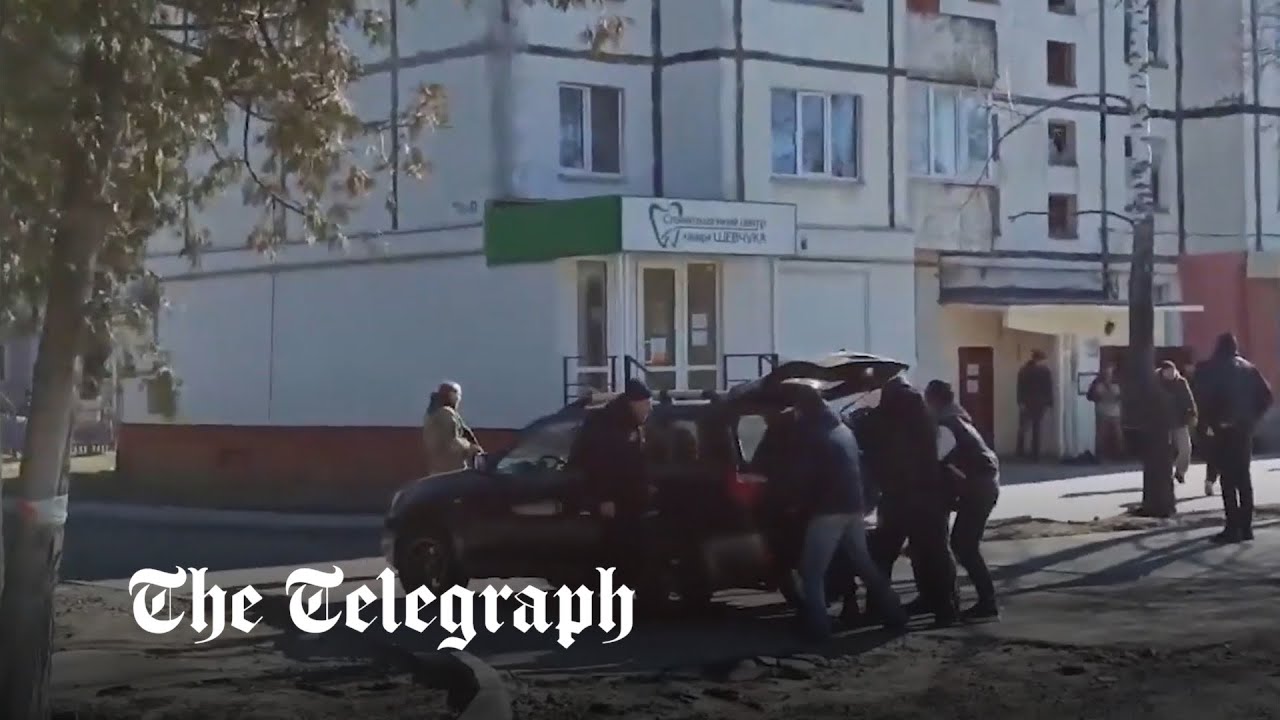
976 392
679 325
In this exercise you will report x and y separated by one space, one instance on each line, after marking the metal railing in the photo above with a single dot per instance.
764 363
575 388
572 374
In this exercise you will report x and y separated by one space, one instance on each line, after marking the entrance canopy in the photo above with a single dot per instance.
1055 312
524 231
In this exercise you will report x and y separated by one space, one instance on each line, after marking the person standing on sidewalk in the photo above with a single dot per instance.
1178 410
1233 398
971 466
1035 397
449 443
1105 394
827 463
1200 442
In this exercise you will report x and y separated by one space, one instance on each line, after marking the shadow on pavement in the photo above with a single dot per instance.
1124 491
1154 553
1014 472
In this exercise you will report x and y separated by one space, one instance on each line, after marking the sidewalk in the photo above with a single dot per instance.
1079 493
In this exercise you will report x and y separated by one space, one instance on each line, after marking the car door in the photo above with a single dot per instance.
543 526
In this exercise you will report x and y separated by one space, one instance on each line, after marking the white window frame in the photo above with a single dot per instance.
588 132
827 138
928 94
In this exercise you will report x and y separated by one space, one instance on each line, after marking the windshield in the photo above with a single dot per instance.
553 439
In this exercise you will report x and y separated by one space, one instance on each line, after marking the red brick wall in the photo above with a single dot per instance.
1232 302
277 467
1215 281
1262 306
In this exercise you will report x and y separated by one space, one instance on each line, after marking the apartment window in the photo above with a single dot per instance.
593 324
1061 58
1063 217
1153 31
4 363
952 132
1062 7
1062 143
591 129
815 134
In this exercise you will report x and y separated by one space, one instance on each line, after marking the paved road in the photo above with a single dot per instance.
103 549
100 548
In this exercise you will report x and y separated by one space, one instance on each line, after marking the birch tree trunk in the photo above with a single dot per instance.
26 609
1157 467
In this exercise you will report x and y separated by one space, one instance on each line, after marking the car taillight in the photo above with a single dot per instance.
745 488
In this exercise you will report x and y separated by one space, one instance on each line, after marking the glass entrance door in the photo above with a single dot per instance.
679 325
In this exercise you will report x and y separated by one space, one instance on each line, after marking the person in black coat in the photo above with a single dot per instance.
915 503
829 487
609 451
1035 398
1232 397
972 470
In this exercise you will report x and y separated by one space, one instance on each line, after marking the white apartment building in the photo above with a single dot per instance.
740 179
1232 93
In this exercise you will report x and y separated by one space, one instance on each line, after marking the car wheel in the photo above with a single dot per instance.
426 559
693 587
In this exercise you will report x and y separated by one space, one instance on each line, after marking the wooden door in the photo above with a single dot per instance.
976 388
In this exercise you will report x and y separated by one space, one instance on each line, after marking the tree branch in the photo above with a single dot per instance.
253 173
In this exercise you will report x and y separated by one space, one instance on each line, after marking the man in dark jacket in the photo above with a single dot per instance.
915 504
828 470
1035 396
972 469
609 450
1233 397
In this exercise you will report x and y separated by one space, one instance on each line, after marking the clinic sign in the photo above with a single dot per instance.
708 227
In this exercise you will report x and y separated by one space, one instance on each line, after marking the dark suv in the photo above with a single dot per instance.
525 513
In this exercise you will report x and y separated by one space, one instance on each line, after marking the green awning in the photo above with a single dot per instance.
543 230
527 231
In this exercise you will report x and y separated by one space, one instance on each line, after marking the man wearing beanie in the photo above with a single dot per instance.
609 451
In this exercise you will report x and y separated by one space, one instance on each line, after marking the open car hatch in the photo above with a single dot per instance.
838 376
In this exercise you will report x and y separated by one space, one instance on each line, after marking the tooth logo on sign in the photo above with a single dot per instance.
665 220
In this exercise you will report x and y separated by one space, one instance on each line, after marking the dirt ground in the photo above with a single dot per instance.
107 673
922 674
